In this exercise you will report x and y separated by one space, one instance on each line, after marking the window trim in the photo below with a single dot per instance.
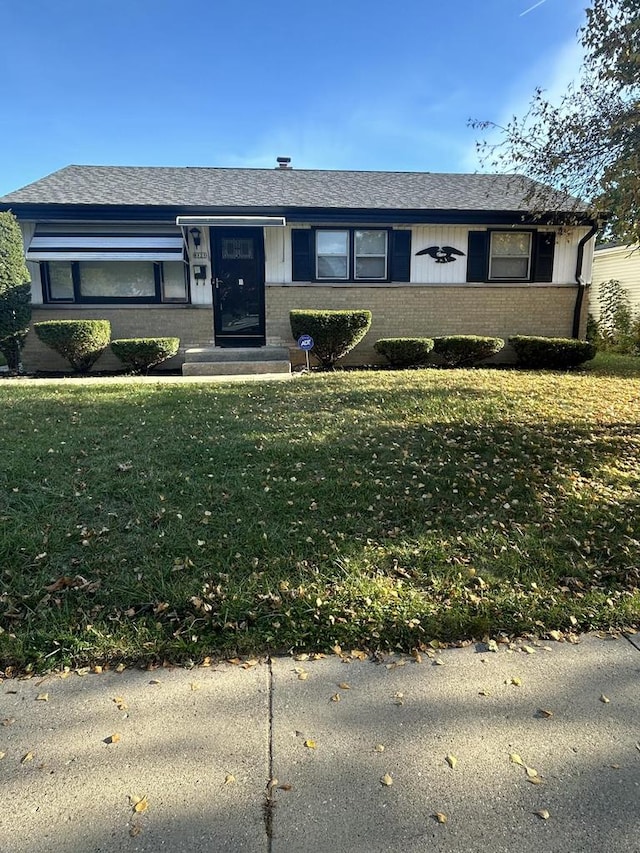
350 230
529 276
79 299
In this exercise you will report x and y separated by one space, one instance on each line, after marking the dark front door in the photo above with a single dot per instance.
238 286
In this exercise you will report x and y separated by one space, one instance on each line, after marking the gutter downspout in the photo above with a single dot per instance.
577 311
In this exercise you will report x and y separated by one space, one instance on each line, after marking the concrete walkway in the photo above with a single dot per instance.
356 753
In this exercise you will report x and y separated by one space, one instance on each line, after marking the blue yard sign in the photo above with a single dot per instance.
305 342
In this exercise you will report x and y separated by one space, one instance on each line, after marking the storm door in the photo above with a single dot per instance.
238 286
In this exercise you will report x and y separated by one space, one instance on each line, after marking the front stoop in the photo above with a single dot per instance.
224 361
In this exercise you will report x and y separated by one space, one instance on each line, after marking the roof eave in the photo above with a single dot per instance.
312 215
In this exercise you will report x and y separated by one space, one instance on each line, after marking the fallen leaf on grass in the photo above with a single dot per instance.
451 761
42 697
139 804
440 817
386 780
604 699
543 813
310 744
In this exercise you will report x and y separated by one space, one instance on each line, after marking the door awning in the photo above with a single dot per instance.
233 221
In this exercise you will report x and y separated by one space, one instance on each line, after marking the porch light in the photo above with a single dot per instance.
195 236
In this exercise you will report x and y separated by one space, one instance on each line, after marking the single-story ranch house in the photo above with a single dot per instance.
219 256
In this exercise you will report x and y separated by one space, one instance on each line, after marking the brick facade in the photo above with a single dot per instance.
192 324
423 311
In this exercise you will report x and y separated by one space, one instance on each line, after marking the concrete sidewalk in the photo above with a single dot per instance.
201 746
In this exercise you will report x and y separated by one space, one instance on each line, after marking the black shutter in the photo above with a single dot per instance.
400 256
477 261
544 243
302 254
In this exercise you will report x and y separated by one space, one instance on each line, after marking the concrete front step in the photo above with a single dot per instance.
225 354
234 368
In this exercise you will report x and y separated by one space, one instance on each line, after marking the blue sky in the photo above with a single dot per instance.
340 84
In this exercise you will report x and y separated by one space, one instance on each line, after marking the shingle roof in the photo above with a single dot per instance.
290 188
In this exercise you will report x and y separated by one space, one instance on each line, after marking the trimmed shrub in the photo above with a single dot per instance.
81 342
465 350
141 354
15 292
404 352
555 353
334 333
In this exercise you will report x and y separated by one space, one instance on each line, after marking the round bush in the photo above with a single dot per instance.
554 353
465 350
81 342
404 352
334 333
141 354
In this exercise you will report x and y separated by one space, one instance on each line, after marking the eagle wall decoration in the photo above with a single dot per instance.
441 255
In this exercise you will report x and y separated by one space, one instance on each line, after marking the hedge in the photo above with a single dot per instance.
554 353
465 350
404 352
141 354
335 333
81 342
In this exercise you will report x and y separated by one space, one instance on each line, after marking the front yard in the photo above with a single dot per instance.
143 522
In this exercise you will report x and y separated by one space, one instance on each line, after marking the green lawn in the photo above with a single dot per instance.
143 522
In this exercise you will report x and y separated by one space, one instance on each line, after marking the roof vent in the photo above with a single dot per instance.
283 163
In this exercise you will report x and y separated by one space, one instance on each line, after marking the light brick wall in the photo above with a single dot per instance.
417 311
192 324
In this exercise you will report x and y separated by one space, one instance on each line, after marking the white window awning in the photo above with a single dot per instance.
104 247
233 221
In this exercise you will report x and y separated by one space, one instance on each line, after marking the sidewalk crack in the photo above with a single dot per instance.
269 804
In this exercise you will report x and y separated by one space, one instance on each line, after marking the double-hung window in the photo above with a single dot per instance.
510 255
352 254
